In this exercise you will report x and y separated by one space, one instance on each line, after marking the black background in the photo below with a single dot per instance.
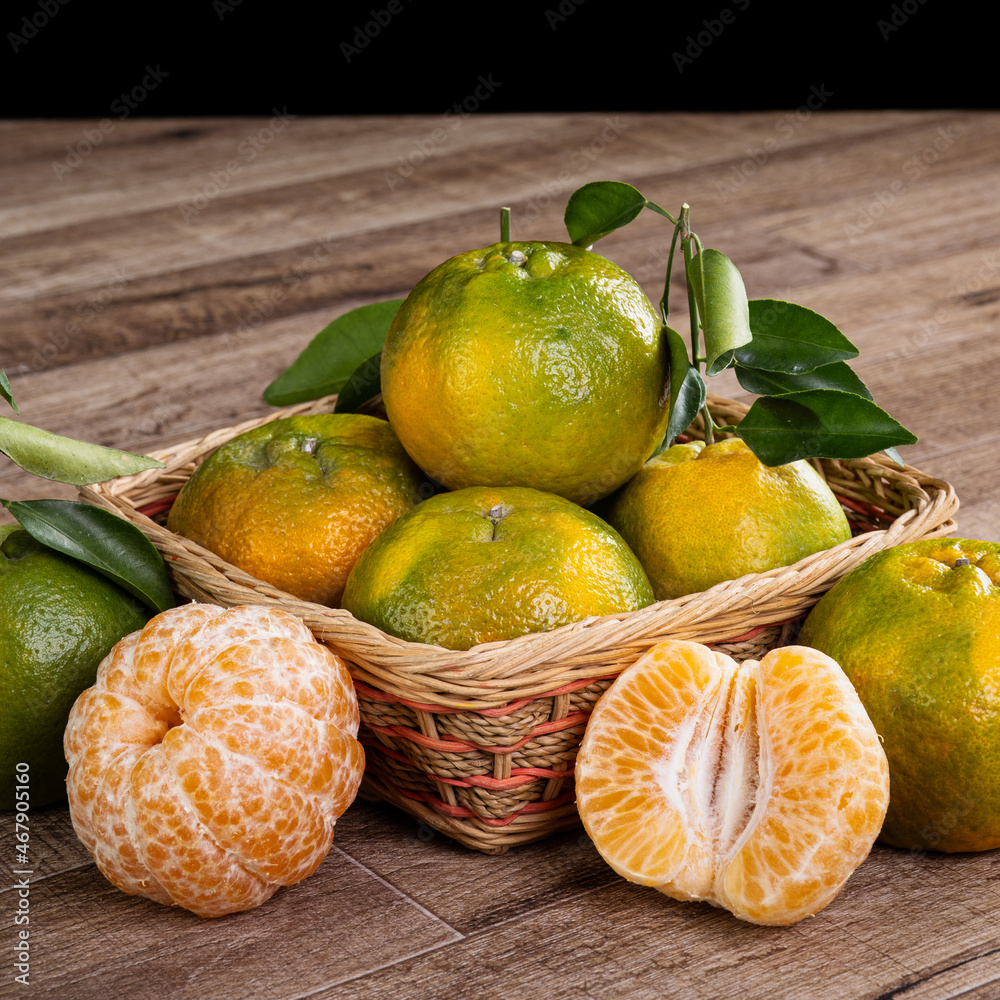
250 57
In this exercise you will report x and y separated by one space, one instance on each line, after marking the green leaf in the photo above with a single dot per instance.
687 387
365 383
819 423
333 355
894 455
5 391
722 305
95 536
599 208
838 375
791 338
66 460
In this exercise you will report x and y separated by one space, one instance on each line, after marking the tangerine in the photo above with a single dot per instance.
491 563
295 501
699 514
58 619
212 757
917 629
528 364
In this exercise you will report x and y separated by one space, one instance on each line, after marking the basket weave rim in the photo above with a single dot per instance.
485 675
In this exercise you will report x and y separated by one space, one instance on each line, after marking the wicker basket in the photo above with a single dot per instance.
481 744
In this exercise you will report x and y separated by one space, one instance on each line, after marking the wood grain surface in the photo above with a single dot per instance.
153 286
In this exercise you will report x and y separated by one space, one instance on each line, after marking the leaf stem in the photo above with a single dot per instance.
505 225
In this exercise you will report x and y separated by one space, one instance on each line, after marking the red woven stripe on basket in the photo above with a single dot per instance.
747 636
873 513
519 776
460 812
158 507
374 694
463 746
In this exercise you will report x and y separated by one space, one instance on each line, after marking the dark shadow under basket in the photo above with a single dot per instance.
481 744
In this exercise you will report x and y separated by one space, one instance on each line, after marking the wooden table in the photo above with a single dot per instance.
159 273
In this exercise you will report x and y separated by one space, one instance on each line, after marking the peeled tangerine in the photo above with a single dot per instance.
212 757
758 787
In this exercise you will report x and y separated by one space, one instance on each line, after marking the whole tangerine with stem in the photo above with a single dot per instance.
533 364
917 629
485 564
699 514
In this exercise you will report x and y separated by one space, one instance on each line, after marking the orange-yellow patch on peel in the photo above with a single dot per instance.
758 787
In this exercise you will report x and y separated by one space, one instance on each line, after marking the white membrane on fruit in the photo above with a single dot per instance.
715 775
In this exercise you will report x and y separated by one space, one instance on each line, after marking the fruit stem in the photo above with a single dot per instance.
685 234
706 419
687 238
505 225
665 298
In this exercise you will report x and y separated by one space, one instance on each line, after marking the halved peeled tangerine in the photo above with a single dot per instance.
212 757
757 786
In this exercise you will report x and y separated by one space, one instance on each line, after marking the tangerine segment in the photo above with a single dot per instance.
271 828
143 670
213 756
758 787
178 852
195 647
275 668
634 771
827 790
